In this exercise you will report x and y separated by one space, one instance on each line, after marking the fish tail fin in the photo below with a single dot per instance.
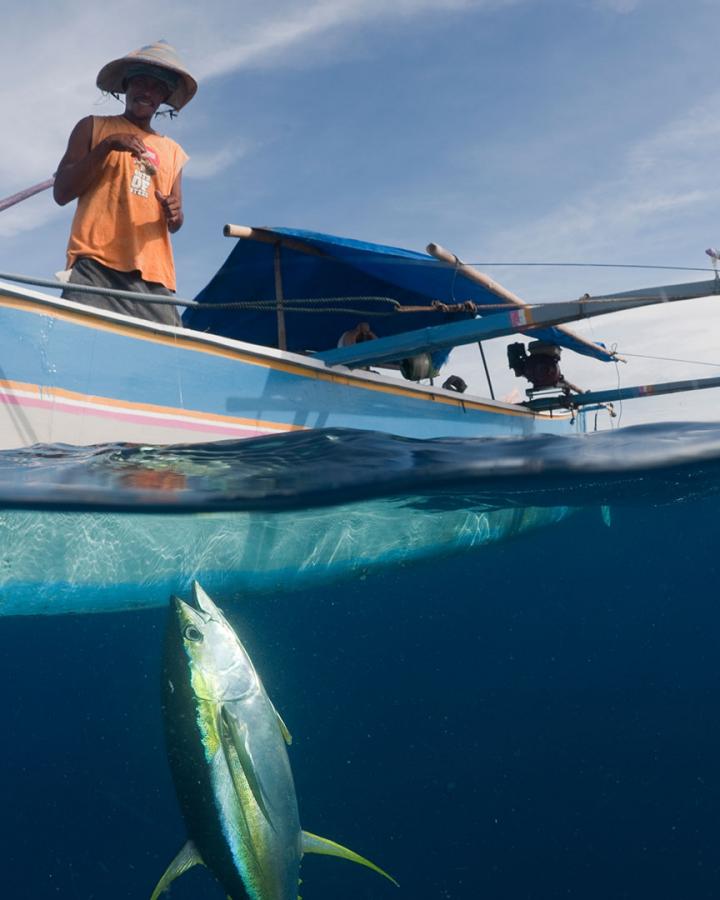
311 843
186 859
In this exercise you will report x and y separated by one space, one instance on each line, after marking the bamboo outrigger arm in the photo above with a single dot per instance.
614 395
504 324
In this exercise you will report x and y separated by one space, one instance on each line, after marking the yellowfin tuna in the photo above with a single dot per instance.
227 752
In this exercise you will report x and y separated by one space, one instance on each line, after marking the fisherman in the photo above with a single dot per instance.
127 180
357 335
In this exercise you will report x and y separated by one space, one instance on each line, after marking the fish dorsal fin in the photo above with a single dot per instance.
186 859
202 601
235 738
284 730
311 843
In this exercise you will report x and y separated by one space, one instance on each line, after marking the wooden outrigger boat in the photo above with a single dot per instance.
259 354
257 358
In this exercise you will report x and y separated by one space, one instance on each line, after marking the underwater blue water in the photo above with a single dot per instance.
535 717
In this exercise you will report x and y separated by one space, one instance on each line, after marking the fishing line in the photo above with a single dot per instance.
690 362
613 349
591 265
429 261
619 379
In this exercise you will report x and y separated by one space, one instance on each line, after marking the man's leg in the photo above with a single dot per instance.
87 271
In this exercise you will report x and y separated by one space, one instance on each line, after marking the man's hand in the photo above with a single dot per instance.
172 209
125 143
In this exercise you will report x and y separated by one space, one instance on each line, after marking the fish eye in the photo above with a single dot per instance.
192 633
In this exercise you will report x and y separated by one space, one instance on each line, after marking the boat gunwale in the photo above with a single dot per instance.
253 354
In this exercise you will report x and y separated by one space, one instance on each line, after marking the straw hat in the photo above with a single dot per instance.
111 78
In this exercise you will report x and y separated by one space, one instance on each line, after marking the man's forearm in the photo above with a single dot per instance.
73 179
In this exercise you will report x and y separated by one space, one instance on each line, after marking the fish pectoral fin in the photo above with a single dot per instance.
311 843
284 730
186 859
235 741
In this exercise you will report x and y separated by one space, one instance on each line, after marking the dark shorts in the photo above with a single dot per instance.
90 271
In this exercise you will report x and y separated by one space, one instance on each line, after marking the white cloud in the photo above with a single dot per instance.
208 165
28 215
264 42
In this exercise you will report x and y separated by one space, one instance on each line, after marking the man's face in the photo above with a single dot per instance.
144 94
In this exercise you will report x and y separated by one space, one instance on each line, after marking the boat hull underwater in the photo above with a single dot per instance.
106 562
127 527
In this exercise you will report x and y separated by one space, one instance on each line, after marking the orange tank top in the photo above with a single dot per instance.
118 220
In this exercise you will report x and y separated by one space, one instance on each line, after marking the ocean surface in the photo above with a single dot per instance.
499 659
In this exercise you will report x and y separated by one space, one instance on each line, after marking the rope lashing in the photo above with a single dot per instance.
314 304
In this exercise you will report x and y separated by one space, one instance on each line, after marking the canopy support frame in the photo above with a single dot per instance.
279 297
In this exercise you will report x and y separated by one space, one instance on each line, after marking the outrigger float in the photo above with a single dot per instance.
275 343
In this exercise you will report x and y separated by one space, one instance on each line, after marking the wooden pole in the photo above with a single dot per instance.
266 236
487 371
473 274
282 337
23 195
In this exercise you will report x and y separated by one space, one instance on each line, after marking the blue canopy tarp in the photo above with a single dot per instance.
354 277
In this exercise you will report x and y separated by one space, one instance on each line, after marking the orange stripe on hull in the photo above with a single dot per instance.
197 344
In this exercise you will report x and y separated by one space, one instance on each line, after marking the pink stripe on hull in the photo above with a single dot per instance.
178 423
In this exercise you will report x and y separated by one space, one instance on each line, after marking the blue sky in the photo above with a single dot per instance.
514 130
